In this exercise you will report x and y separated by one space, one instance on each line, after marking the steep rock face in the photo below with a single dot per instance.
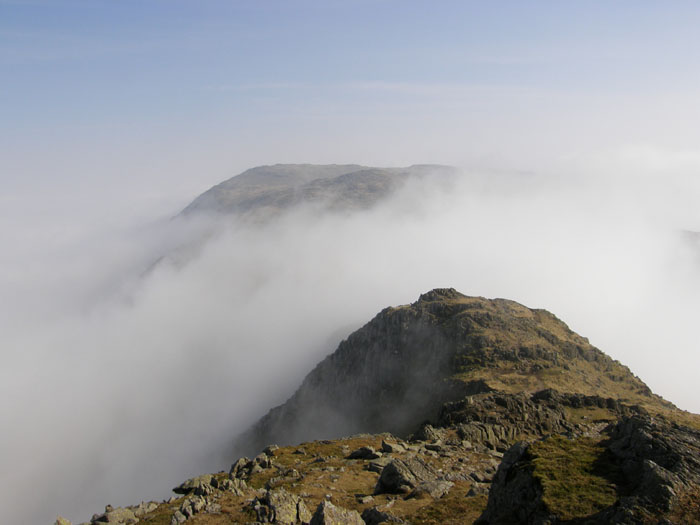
400 368
265 191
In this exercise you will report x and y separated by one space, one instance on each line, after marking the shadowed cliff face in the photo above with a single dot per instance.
398 369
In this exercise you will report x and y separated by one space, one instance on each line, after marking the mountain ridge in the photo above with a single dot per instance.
266 191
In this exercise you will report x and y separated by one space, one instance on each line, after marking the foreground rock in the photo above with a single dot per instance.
329 514
646 471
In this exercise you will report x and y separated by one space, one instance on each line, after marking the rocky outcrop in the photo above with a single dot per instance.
497 419
659 473
401 367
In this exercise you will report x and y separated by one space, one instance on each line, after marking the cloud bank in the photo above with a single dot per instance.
122 378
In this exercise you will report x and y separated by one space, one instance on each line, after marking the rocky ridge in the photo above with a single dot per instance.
402 366
483 449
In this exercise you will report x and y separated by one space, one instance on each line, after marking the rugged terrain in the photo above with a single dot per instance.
455 409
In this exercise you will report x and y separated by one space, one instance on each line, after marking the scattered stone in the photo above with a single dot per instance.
279 506
204 484
364 453
178 517
328 514
392 447
478 489
144 508
116 515
303 513
270 450
376 516
377 465
192 505
238 468
401 476
434 489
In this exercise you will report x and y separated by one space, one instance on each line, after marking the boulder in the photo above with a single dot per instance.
434 489
279 506
364 453
403 475
376 516
119 515
328 514
201 485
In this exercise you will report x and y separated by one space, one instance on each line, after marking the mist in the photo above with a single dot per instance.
135 352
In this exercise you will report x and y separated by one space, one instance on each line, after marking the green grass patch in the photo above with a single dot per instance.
577 477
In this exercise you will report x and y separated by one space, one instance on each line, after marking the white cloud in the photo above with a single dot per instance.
116 386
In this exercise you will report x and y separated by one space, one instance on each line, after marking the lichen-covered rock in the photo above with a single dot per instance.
119 515
364 453
403 475
328 514
62 521
200 485
434 489
377 516
279 506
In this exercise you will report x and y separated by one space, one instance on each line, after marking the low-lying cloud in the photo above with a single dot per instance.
121 379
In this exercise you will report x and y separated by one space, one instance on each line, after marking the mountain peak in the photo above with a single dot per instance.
409 360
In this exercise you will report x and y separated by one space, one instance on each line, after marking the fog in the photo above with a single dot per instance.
122 378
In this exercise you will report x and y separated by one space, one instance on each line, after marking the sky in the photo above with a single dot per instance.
577 122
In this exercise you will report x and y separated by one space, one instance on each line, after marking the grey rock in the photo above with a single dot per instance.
377 465
328 514
178 518
403 475
117 515
376 516
270 450
201 485
364 453
279 506
434 489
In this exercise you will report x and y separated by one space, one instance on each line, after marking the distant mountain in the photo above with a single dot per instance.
266 191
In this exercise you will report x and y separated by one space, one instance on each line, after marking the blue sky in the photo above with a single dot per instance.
148 94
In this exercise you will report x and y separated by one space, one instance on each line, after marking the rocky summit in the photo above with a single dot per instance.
452 410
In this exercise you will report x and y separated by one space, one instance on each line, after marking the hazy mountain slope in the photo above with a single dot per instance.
265 191
399 368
